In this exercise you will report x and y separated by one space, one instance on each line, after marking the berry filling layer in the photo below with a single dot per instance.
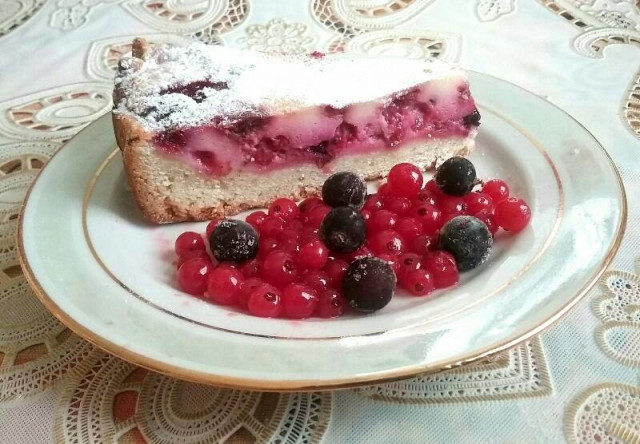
442 108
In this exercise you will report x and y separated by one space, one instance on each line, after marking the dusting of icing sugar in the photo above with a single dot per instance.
257 84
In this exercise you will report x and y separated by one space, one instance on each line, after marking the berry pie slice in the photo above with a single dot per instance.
208 131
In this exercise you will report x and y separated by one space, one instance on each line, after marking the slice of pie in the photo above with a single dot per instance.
208 131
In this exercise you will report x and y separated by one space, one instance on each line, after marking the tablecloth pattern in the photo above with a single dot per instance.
578 382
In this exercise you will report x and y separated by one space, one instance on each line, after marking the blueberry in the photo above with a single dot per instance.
468 239
344 189
472 119
234 240
343 230
368 284
456 176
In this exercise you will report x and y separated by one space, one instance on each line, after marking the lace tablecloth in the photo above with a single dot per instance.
577 382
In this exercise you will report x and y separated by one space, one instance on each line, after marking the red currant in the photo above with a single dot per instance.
336 269
418 282
284 208
313 255
387 241
407 262
331 304
249 268
443 268
296 225
422 244
192 275
309 234
313 217
189 241
245 290
309 203
289 233
426 197
405 180
380 221
432 187
366 215
512 214
392 260
272 226
398 205
373 203
430 216
279 268
224 285
497 189
190 255
489 220
453 205
299 301
409 228
477 202
384 191
360 252
256 218
318 280
265 301
266 246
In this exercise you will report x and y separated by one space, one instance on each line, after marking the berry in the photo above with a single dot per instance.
343 230
189 241
190 255
360 252
210 227
272 226
256 218
267 245
192 275
234 240
318 280
512 214
249 268
223 285
429 215
476 202
344 189
313 255
418 282
309 234
331 304
265 301
405 180
382 220
489 220
373 203
409 228
309 203
407 262
368 284
432 187
296 225
398 205
366 215
315 216
468 240
422 244
392 260
336 269
289 234
497 189
426 197
387 242
279 269
284 208
456 176
443 268
299 301
384 191
245 291
453 205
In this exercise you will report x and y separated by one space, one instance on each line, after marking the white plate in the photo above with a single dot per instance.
106 273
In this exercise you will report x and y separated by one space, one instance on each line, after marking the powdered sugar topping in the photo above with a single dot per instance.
234 83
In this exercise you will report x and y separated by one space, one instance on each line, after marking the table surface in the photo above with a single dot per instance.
577 382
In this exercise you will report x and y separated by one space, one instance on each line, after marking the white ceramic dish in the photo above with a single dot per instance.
105 272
